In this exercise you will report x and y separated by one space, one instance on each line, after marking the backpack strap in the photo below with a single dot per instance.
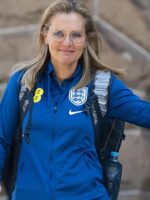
26 134
99 126
101 82
108 132
28 105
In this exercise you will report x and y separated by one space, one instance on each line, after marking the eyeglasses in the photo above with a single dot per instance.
75 36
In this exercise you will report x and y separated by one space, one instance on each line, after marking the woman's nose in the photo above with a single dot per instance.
67 40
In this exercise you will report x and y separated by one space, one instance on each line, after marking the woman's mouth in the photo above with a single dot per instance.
66 52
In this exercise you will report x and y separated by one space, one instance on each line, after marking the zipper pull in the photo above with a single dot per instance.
55 109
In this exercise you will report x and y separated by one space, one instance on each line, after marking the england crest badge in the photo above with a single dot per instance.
78 96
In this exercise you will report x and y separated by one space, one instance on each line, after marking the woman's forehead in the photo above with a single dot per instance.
67 21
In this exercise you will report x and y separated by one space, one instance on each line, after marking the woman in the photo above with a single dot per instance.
60 160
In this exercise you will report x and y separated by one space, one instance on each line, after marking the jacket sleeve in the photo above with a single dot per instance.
123 104
9 114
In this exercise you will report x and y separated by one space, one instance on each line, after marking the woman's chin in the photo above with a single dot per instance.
67 62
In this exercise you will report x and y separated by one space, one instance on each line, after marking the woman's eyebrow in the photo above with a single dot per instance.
75 30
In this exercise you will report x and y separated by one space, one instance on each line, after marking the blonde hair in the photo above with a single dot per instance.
91 55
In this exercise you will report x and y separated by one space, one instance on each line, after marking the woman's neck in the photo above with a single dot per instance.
63 71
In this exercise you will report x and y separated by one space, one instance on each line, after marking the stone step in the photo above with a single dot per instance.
134 155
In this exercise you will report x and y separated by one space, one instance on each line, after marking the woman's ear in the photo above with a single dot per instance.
85 43
45 39
44 33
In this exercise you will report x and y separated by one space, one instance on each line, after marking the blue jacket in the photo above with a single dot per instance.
61 161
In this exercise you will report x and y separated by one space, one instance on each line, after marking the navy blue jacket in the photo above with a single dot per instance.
61 161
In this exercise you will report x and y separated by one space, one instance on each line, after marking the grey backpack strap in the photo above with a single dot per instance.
102 81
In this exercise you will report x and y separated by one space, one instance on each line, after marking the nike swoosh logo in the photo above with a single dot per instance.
75 112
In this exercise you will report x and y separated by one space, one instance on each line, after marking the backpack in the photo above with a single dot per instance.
108 132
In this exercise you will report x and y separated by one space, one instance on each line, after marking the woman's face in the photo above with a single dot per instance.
66 38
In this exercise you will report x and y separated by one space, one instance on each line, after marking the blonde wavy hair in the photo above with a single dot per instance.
91 55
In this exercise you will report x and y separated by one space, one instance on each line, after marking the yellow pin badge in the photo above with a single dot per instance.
38 95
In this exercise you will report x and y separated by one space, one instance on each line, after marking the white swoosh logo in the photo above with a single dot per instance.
75 112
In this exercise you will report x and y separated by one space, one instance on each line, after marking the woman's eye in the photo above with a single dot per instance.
59 34
76 35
